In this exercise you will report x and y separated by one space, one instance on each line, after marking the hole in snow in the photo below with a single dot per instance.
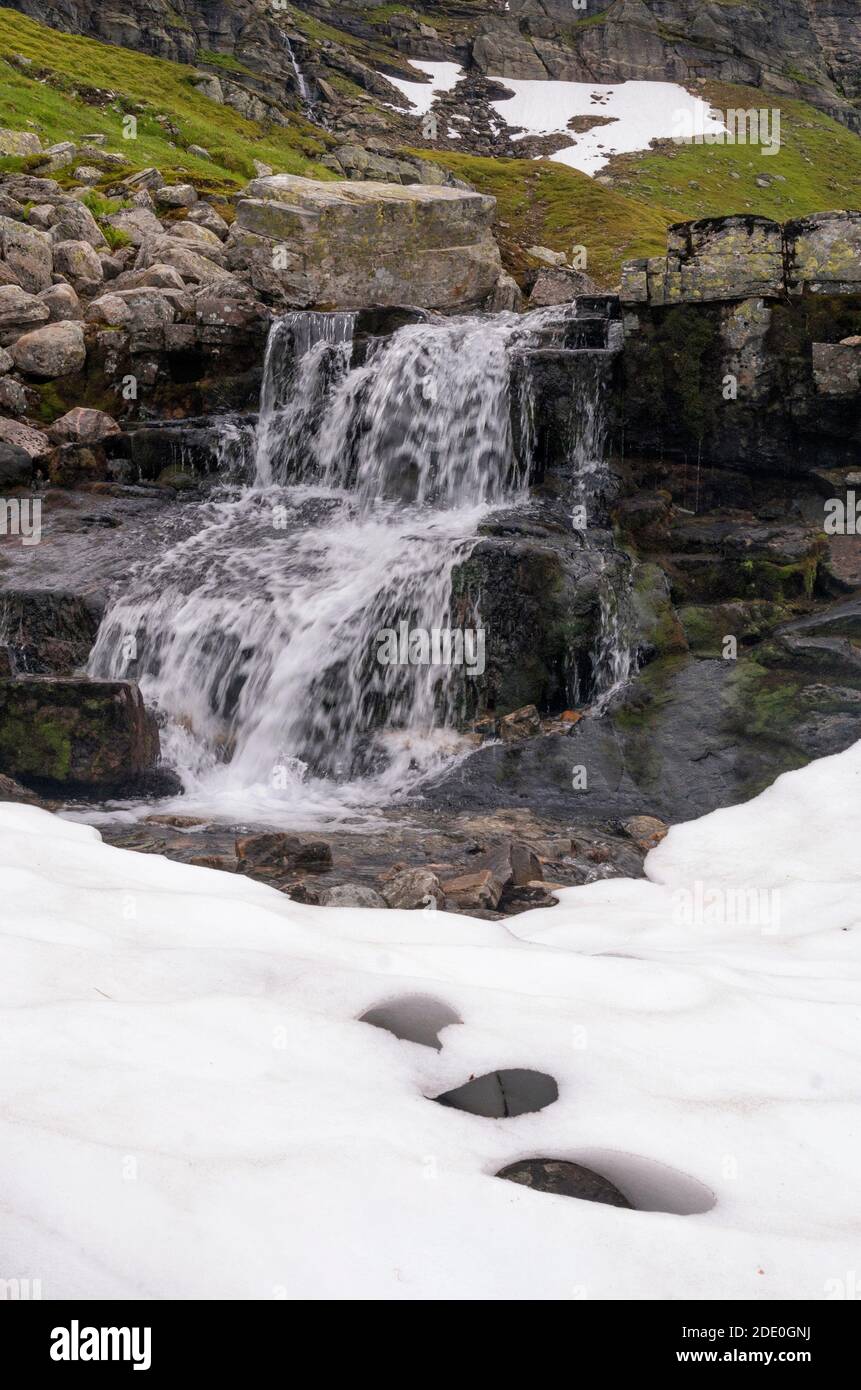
564 1179
608 1175
503 1094
417 1018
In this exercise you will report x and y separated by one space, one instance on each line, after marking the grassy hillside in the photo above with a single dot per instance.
74 86
546 204
816 169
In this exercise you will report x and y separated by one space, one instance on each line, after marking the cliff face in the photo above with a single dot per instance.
805 48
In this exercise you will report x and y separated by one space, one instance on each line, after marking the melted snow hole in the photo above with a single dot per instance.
417 1018
606 1175
502 1094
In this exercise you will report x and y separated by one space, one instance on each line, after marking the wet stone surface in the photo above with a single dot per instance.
445 848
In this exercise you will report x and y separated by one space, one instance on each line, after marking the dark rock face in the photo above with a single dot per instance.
77 736
739 345
564 1179
47 633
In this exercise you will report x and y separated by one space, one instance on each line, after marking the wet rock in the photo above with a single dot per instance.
413 888
56 350
513 865
48 632
564 1179
76 735
16 466
75 464
273 850
645 831
351 895
481 889
10 790
521 723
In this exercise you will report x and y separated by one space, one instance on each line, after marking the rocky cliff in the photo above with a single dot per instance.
804 48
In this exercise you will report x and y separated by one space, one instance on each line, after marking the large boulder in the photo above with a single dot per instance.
58 349
19 142
76 735
62 303
347 244
73 221
28 253
79 262
193 264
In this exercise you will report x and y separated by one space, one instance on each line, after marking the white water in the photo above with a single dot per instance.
256 637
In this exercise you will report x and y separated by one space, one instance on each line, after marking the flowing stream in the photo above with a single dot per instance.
258 637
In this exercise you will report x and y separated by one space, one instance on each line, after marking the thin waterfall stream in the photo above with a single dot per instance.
257 637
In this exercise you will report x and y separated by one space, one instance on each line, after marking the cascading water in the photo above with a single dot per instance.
258 636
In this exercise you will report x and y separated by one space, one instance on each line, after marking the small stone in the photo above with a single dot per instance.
175 195
645 831
275 850
413 888
480 889
521 723
351 895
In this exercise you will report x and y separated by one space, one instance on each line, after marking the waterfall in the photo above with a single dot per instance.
301 83
260 636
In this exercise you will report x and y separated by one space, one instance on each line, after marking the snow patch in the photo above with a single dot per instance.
640 112
422 95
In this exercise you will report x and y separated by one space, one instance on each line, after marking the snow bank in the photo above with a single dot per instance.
191 1108
640 112
422 95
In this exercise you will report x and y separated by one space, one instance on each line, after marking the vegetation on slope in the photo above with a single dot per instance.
546 204
816 169
68 87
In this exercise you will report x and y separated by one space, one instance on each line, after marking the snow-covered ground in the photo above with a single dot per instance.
422 95
191 1108
640 112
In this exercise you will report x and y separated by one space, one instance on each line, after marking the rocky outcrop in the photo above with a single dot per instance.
349 244
739 344
745 257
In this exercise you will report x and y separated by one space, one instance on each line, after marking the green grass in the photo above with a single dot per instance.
548 204
77 86
818 164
